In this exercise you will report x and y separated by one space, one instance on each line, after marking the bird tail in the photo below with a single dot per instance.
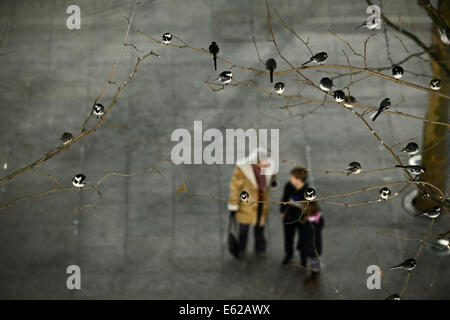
361 25
375 115
215 63
271 76
306 63
419 214
396 267
399 166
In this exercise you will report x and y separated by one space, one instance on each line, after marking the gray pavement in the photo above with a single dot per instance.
143 241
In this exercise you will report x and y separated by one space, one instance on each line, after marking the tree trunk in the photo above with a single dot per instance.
435 136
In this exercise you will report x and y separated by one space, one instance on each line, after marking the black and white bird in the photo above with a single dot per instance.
244 196
98 110
384 105
385 193
79 180
431 213
393 296
326 84
318 58
409 265
66 137
279 87
271 65
310 194
214 50
370 23
413 169
397 72
353 168
339 96
349 100
435 84
225 77
411 148
166 38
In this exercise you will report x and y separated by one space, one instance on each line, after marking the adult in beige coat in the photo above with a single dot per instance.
247 177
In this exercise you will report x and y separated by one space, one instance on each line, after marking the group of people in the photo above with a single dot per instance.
300 217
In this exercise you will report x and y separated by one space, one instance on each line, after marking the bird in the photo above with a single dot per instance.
326 84
244 196
318 58
413 169
397 72
66 137
225 77
431 213
348 101
394 296
339 96
279 87
214 50
384 105
353 168
435 84
409 265
271 65
166 38
411 148
98 110
79 180
310 194
385 193
373 23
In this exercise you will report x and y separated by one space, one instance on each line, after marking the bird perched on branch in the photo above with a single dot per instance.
310 194
349 100
166 38
413 169
225 77
353 168
279 87
384 193
411 148
339 96
318 58
409 265
435 84
214 50
66 137
98 110
370 23
244 196
326 84
79 180
397 72
271 65
431 213
384 105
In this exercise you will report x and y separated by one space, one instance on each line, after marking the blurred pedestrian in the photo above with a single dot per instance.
291 213
311 226
248 176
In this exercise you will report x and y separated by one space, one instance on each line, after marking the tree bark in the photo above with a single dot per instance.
435 136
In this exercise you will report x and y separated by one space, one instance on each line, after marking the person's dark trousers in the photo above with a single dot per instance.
289 233
260 241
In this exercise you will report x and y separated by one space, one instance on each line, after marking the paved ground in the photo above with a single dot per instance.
144 241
